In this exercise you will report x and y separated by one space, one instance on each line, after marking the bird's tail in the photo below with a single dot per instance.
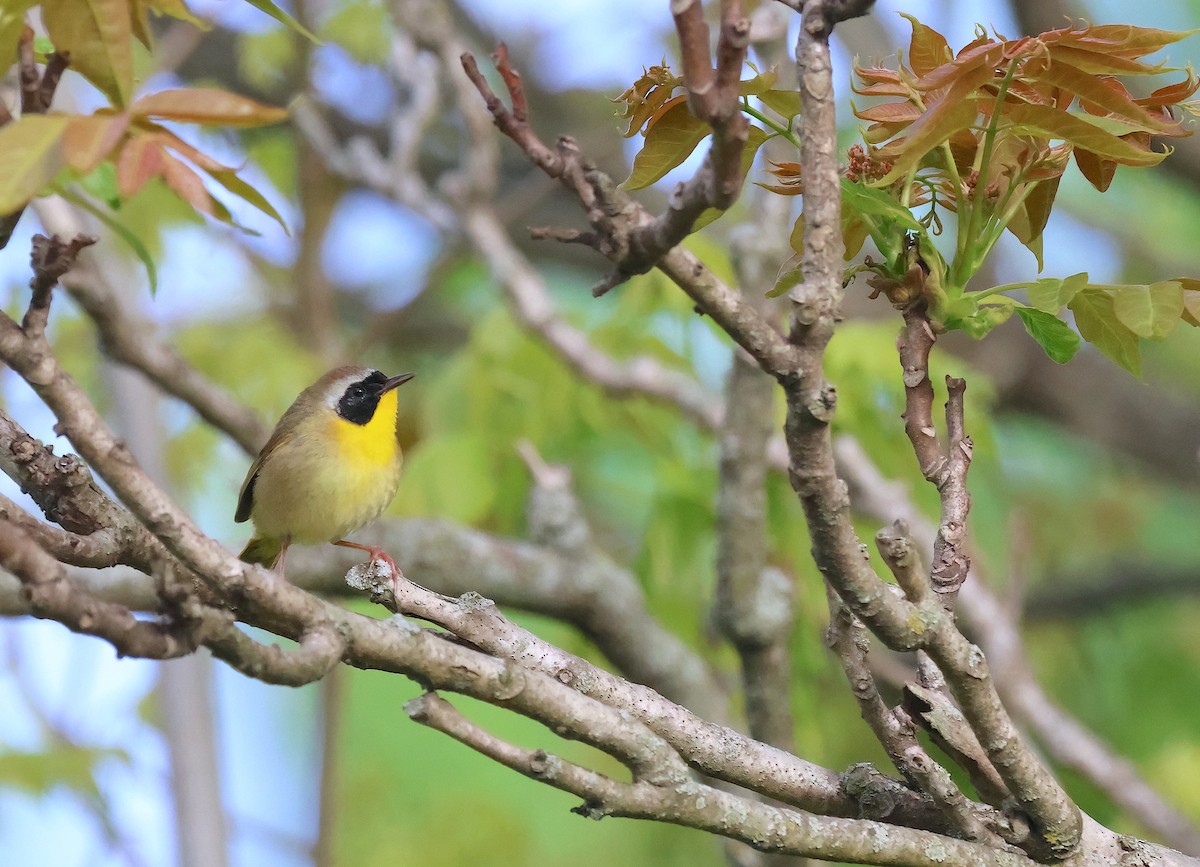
263 550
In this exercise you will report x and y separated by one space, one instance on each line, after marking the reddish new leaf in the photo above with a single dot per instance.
141 159
222 174
1106 94
89 140
928 49
1055 124
1123 39
890 112
186 184
933 128
646 96
207 105
1098 171
1101 62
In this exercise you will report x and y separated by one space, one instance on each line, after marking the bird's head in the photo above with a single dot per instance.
354 392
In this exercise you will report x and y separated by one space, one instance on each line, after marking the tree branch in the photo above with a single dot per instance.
695 805
1067 741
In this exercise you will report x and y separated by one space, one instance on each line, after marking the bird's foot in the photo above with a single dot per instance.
378 555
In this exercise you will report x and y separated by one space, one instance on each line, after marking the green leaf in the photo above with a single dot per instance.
32 148
1051 294
283 18
1097 322
98 34
789 274
230 180
668 143
754 140
759 84
1191 300
101 183
12 23
785 103
1149 311
120 230
1052 334
870 201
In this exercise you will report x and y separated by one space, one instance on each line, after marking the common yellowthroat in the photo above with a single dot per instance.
331 466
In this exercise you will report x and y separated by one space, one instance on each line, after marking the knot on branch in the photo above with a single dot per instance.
875 793
51 258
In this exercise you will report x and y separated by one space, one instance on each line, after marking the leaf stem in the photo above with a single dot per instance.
773 125
970 259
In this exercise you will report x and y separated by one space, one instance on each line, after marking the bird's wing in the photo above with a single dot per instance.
246 497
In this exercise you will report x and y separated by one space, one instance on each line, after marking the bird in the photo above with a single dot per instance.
331 466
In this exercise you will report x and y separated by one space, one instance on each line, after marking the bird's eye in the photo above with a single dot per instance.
357 391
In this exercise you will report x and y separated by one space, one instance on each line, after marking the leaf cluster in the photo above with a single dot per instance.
111 154
652 106
983 137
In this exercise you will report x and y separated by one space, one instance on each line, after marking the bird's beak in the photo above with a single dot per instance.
395 381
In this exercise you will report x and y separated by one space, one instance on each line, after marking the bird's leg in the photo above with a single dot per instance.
378 555
279 561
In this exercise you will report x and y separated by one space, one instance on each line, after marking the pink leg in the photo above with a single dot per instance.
380 555
279 567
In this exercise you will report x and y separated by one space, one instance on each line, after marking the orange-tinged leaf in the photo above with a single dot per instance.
668 143
1124 39
1172 94
1108 95
1098 171
1102 63
1077 130
984 56
186 184
208 106
222 174
663 109
1029 221
88 141
141 159
878 81
925 134
98 34
890 112
646 95
32 148
928 49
